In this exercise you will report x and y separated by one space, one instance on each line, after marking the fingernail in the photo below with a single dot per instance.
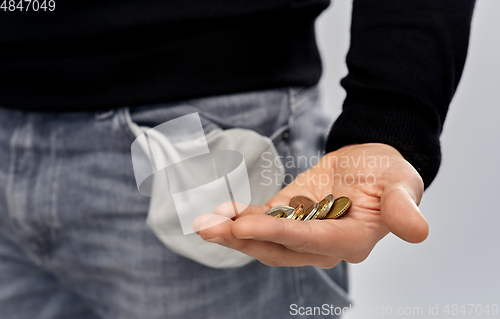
217 240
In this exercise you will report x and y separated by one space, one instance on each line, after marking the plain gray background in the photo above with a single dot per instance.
459 261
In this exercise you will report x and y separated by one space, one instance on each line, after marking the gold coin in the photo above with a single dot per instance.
277 214
324 207
340 207
297 212
297 200
302 214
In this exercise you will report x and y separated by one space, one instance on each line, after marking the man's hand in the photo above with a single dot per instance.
383 187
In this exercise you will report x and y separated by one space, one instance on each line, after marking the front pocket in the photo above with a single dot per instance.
170 218
146 117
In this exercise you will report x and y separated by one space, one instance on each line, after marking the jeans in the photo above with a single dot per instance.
73 238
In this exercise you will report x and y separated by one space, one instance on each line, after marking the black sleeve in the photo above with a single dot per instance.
405 61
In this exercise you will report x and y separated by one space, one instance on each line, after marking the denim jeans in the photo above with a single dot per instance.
73 237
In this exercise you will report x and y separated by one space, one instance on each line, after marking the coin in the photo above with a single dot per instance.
296 212
324 207
302 214
327 208
279 214
287 213
311 211
297 200
340 207
280 211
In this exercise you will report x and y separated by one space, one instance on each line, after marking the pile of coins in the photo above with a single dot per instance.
304 208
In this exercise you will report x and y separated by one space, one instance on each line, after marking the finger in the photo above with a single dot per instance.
253 210
268 253
401 215
207 221
211 226
273 254
399 205
228 209
223 213
217 229
345 239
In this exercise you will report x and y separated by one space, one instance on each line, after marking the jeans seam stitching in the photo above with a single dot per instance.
10 190
298 284
291 137
52 193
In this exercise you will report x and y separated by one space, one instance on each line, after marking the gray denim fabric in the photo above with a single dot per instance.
73 238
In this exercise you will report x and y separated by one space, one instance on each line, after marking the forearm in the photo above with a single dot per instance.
405 62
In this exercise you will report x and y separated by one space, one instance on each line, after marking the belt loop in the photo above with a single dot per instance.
104 114
294 93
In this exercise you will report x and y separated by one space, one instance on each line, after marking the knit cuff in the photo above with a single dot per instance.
409 125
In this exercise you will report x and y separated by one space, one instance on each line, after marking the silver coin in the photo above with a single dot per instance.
298 213
324 207
277 214
311 211
288 212
276 210
292 215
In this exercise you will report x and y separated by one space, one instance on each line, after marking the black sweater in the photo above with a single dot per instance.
405 60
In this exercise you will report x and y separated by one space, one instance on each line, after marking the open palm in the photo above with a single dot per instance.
385 191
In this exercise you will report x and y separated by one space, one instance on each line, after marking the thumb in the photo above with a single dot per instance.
401 215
